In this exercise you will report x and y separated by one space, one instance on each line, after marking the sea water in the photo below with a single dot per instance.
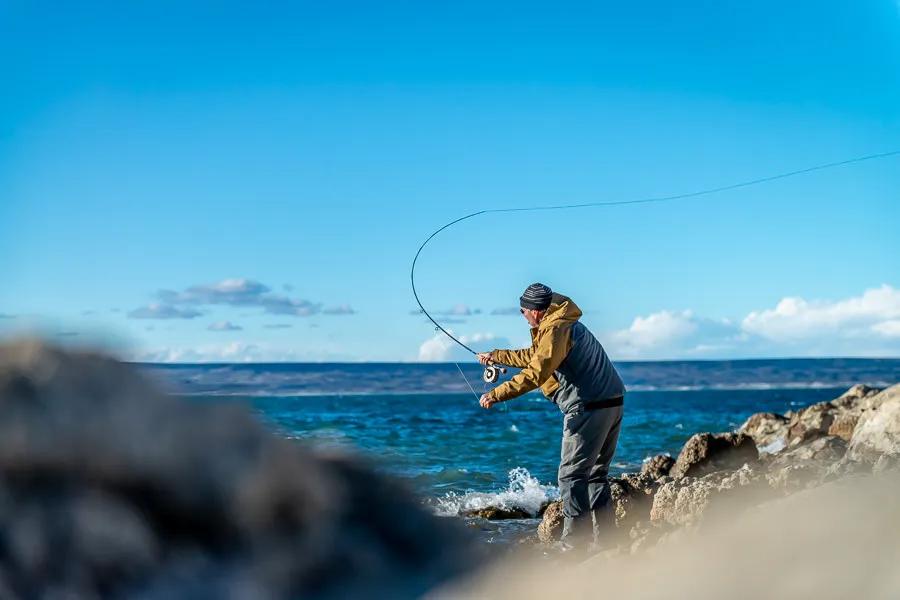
421 423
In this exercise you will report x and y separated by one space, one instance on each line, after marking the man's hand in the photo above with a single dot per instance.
487 401
484 358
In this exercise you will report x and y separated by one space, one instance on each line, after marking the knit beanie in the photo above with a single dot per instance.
536 297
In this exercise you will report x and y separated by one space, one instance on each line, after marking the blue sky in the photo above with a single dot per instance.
222 181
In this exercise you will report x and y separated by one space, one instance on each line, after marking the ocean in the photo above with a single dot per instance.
422 423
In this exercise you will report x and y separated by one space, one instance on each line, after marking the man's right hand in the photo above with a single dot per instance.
484 358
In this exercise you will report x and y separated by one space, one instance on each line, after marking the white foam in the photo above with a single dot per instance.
524 492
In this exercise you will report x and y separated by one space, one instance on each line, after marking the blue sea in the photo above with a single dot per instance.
422 423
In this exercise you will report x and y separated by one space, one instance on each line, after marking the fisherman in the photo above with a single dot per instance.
571 368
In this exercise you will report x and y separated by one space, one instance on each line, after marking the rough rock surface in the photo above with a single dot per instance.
707 452
551 524
683 501
878 431
765 428
658 466
109 489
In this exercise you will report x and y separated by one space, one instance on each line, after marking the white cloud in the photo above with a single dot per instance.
440 348
224 326
235 352
666 333
157 310
795 319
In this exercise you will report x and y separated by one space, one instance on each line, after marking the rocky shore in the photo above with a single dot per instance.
715 475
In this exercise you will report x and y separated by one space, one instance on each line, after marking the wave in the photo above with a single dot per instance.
524 492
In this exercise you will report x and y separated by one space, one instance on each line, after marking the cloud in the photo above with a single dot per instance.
795 319
156 310
224 326
343 309
246 293
237 352
5 316
508 310
277 326
666 333
459 310
864 325
440 348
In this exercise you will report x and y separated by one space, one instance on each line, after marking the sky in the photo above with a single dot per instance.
216 181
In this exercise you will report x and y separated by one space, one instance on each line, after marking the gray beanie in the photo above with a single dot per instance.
536 297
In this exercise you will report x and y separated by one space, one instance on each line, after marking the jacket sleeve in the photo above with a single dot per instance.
547 354
513 358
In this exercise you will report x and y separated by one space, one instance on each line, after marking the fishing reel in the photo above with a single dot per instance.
492 373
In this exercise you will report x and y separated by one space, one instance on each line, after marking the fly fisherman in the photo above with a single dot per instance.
571 368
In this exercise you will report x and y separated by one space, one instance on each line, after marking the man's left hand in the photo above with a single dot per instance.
487 401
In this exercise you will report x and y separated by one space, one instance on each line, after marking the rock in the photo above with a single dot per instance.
685 500
497 513
707 452
632 496
878 431
843 426
855 394
657 466
823 450
810 423
109 488
765 428
551 524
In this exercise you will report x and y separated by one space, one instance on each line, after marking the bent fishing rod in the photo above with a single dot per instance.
492 372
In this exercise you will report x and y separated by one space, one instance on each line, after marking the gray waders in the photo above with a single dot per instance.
588 444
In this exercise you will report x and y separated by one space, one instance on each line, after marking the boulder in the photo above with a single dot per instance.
657 466
551 524
823 451
632 496
707 452
878 431
765 428
110 488
685 500
843 426
810 423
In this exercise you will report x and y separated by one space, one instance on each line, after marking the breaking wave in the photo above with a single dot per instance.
524 492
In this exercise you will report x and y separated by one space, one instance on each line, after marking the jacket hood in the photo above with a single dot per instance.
561 310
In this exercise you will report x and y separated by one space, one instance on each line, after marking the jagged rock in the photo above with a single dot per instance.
765 428
497 513
878 431
810 423
854 395
632 495
843 426
552 523
707 452
109 488
684 500
823 450
657 466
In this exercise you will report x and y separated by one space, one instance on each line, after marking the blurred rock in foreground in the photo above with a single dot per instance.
109 488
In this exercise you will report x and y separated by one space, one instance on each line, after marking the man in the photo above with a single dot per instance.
571 368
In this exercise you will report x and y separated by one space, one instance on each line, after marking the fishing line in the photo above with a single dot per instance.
652 199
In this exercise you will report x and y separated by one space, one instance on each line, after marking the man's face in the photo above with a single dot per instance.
532 316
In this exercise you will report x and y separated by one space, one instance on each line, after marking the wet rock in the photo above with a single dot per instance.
551 524
497 513
765 428
878 431
110 488
707 452
657 466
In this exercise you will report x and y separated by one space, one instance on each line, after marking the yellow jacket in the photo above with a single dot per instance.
550 344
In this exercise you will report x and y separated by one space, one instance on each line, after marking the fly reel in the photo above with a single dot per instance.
492 373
